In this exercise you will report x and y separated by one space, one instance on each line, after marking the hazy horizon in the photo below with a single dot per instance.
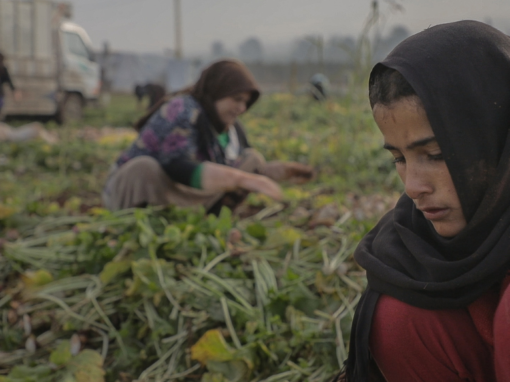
148 26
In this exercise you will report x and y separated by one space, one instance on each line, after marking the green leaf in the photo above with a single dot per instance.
291 276
67 377
62 354
147 234
113 269
224 220
257 230
200 240
248 355
146 280
213 377
171 236
233 371
28 374
145 239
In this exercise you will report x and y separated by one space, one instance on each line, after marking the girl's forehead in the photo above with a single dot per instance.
402 123
400 110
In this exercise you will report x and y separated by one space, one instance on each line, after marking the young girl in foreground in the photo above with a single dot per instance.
437 306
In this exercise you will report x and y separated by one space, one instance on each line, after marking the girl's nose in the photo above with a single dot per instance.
417 183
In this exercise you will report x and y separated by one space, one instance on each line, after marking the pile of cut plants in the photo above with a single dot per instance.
264 294
177 295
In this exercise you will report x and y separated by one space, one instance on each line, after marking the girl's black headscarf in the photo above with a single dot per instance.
461 73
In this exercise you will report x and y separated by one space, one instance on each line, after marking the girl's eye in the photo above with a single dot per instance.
436 157
400 160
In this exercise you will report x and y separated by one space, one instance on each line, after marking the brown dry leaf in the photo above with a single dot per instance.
327 215
12 317
234 236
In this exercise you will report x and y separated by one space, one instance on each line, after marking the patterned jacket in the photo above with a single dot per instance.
180 137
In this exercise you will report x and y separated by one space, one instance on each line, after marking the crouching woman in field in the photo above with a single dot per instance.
192 150
437 305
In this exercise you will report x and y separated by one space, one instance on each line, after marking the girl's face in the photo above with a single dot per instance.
229 108
420 165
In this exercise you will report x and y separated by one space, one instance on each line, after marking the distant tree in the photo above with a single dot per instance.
304 51
390 41
398 34
218 49
339 49
251 50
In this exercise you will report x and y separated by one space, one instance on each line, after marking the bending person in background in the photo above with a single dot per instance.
319 87
154 92
5 78
192 150
437 304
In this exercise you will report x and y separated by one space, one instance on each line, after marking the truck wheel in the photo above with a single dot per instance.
71 109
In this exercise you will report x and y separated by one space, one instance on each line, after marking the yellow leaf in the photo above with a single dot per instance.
283 235
87 366
283 97
37 278
62 354
211 347
52 208
65 238
98 211
113 269
322 200
73 204
6 211
117 138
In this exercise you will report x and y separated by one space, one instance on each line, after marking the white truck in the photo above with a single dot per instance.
50 60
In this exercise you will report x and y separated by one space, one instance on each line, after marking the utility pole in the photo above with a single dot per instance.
178 29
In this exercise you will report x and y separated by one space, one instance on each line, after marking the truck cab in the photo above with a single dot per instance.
80 76
50 59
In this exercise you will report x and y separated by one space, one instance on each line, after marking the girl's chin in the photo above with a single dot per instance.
448 229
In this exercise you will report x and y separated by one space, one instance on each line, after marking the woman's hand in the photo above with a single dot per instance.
261 184
221 178
288 171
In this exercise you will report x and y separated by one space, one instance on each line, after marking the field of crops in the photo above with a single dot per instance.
263 293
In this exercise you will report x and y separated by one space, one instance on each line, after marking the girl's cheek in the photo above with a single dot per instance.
401 173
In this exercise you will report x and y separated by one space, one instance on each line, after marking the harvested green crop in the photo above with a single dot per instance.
166 294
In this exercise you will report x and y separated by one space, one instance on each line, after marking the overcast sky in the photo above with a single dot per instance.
148 25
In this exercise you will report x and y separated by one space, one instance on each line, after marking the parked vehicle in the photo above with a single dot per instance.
50 60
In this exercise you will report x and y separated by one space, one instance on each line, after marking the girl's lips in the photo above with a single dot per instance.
435 213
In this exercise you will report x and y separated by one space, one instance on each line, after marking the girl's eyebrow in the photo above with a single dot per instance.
419 143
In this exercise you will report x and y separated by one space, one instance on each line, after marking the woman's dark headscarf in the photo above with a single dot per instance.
223 79
219 80
461 73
